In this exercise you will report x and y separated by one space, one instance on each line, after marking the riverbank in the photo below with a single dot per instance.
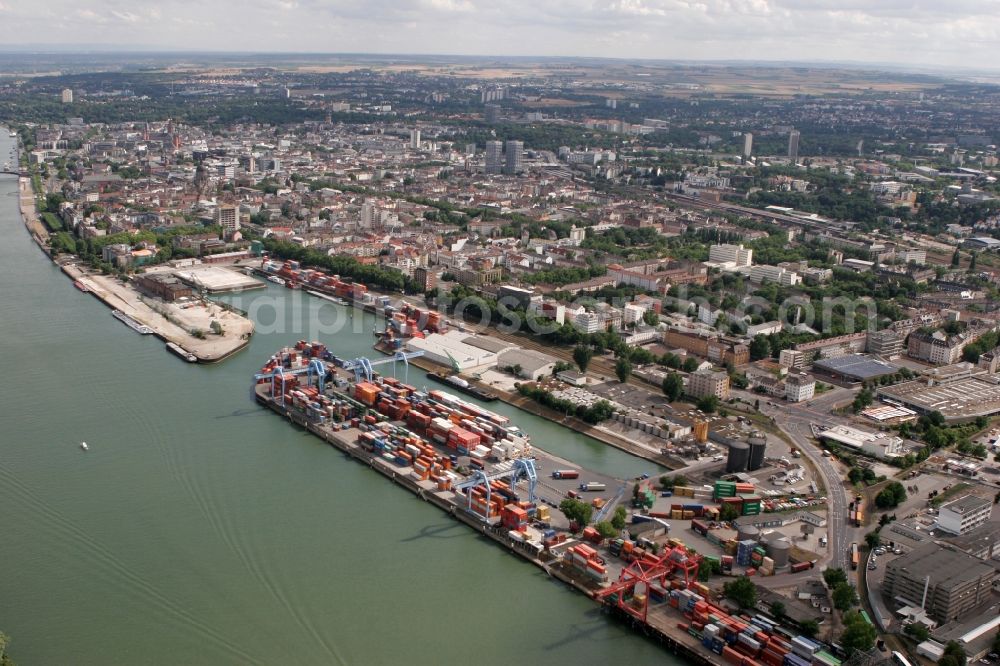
171 322
29 214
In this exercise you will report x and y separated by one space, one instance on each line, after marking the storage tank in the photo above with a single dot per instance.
758 445
778 550
747 533
739 457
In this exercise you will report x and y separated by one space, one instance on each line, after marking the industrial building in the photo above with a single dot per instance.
875 444
946 582
530 364
453 350
855 368
965 514
958 401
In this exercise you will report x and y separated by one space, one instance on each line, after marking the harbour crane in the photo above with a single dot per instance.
641 573
513 471
315 368
363 366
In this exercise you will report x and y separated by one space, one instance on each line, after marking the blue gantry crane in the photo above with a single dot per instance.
512 470
363 366
316 369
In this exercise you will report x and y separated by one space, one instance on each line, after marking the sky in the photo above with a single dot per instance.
948 33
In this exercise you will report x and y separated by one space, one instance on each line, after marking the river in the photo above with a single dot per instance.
202 529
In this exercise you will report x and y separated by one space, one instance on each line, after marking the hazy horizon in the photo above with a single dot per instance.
916 34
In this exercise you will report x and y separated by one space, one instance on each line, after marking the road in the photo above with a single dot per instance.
794 420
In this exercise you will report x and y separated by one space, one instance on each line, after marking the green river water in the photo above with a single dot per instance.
201 529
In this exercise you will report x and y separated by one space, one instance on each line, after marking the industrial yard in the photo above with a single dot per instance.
480 468
186 322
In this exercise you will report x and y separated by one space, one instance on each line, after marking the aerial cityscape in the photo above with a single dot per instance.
556 355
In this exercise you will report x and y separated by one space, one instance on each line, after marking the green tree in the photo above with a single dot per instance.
858 636
954 655
777 610
623 369
844 597
873 540
690 364
956 257
760 347
708 404
576 511
834 576
862 400
742 591
606 529
728 512
891 496
972 263
918 631
581 356
673 387
651 318
809 628
671 482
619 519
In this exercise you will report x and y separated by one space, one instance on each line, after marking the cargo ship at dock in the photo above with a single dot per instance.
459 384
176 349
474 464
136 326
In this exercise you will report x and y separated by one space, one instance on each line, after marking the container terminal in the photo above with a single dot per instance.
481 469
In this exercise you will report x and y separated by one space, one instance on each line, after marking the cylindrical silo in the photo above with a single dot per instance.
739 457
758 446
747 533
778 550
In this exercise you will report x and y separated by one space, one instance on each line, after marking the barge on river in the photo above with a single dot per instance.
136 326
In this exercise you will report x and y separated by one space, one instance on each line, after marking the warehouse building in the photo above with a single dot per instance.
956 583
530 364
854 368
959 400
452 350
875 444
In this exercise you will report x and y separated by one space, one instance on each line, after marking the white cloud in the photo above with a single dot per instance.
956 32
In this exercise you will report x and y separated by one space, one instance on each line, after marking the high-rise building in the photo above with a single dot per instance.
793 146
228 217
492 113
67 96
514 158
415 139
368 214
494 157
747 144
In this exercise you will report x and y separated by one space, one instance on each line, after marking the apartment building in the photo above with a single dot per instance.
708 382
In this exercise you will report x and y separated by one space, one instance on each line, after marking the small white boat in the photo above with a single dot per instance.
83 445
